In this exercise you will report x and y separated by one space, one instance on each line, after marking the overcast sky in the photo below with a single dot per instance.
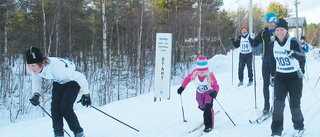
310 9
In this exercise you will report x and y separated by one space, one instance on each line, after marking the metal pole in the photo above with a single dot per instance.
225 112
255 85
254 70
51 118
250 18
297 25
316 83
232 65
184 120
115 119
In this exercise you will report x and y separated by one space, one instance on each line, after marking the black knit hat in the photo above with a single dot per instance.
303 37
33 55
282 23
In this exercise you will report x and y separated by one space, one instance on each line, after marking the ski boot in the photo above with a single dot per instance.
266 108
207 129
275 135
81 134
298 133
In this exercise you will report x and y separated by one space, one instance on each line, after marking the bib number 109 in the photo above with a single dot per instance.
283 61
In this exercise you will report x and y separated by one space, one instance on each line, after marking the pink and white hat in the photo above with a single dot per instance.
202 64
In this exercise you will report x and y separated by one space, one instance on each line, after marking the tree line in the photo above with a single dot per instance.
113 41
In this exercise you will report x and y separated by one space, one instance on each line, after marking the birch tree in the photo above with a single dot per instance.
139 49
5 64
199 29
104 49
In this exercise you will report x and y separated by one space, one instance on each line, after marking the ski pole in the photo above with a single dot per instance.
304 78
184 120
51 118
255 83
312 90
316 83
225 112
115 119
307 69
232 66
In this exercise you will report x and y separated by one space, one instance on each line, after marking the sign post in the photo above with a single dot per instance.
163 65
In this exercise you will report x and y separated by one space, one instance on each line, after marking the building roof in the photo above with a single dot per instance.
292 22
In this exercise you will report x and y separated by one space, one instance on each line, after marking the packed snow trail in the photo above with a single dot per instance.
163 119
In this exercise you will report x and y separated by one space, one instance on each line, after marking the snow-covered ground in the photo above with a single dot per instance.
164 118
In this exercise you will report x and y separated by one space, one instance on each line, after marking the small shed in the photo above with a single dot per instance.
302 24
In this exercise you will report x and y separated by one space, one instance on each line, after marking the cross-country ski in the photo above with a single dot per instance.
201 125
261 118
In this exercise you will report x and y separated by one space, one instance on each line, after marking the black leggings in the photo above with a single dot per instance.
266 71
63 97
293 85
245 59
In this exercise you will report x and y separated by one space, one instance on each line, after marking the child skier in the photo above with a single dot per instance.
287 77
67 82
207 89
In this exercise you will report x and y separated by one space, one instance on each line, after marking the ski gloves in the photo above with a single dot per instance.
85 100
35 99
214 94
290 53
252 35
180 90
272 81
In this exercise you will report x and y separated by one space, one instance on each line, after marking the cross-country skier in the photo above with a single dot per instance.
67 82
287 77
245 42
305 47
304 44
265 37
207 89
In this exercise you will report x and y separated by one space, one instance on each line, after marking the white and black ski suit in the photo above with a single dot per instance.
288 79
67 82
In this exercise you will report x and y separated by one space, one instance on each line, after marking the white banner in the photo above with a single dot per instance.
163 65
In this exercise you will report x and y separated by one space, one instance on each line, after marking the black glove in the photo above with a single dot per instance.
290 53
180 90
232 39
85 100
35 99
214 94
272 81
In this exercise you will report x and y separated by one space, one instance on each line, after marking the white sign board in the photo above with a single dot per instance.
163 65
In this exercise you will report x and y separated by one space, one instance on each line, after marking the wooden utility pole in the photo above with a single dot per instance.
297 25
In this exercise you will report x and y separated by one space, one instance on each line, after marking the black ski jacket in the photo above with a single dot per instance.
265 38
